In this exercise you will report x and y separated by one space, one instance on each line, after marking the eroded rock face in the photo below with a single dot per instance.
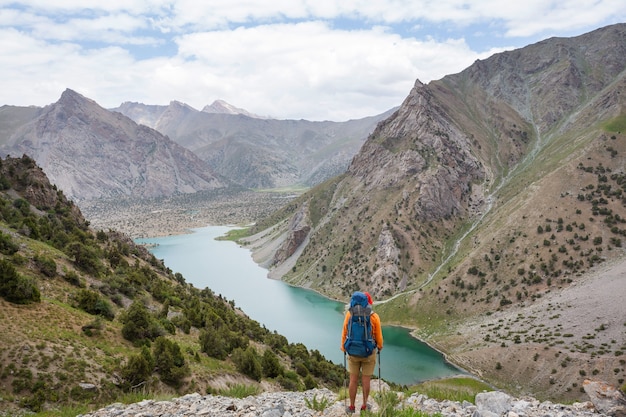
605 398
299 229
385 279
421 147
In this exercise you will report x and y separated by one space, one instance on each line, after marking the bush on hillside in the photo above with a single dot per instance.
248 362
271 365
16 288
7 246
94 303
46 265
139 326
170 362
138 369
85 257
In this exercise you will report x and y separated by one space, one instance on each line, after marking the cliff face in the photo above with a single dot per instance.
485 191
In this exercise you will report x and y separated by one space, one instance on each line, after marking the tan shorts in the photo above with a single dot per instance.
365 365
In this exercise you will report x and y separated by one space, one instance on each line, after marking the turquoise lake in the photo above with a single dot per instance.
300 315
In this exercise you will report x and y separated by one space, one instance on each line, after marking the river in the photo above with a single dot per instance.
300 315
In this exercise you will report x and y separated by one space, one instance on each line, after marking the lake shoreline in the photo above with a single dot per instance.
461 371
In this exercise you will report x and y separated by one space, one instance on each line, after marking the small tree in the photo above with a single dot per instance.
16 288
46 265
138 368
169 362
94 303
248 363
139 324
270 364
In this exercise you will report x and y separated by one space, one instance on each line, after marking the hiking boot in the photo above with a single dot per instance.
350 409
365 407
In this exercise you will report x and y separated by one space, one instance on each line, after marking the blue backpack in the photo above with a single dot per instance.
359 341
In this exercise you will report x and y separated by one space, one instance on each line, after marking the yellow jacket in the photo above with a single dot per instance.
377 331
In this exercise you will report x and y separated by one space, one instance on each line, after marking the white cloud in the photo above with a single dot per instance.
313 59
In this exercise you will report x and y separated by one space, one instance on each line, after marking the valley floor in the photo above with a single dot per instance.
176 215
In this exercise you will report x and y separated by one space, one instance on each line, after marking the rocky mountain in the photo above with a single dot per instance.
491 200
92 153
258 152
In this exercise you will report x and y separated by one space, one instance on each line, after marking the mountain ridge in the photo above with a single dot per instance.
485 192
93 153
260 153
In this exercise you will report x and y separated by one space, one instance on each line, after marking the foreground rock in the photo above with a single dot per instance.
287 404
606 398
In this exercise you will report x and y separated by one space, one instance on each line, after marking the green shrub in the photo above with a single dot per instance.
139 325
138 368
270 364
16 288
213 344
7 246
169 362
240 391
46 265
289 381
93 303
387 402
93 328
73 278
317 405
85 257
248 363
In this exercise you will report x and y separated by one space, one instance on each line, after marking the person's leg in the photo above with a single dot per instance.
365 381
367 370
354 367
352 389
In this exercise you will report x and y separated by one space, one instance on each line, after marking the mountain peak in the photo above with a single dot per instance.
222 107
70 96
176 103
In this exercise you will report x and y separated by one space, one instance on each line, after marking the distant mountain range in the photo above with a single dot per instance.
257 152
148 151
92 153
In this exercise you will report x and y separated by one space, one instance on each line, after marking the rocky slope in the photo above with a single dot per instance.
485 191
92 153
488 404
258 152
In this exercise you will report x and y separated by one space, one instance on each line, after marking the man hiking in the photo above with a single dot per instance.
361 335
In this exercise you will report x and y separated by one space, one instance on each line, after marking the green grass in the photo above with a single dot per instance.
240 391
70 411
618 124
235 234
317 405
454 389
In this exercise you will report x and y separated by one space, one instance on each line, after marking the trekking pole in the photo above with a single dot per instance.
345 371
379 372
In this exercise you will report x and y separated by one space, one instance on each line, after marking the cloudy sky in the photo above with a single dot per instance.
288 59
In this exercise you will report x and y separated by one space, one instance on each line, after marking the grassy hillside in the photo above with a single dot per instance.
88 317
